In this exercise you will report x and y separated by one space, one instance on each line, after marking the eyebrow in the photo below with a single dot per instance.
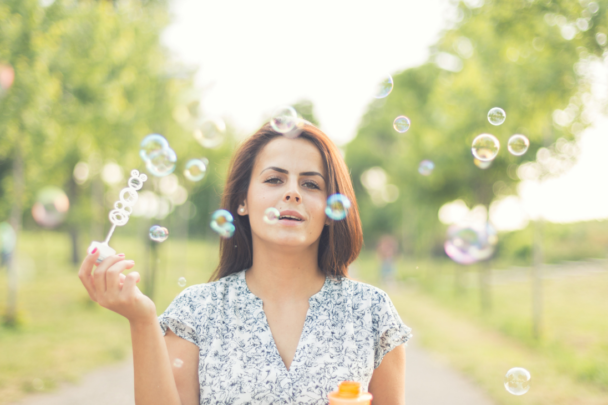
278 169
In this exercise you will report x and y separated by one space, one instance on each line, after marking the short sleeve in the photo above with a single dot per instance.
389 330
181 316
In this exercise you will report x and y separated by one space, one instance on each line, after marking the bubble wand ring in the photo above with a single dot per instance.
119 216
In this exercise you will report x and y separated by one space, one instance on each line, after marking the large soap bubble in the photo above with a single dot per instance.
485 147
468 244
195 169
152 145
496 116
51 207
210 132
284 119
517 381
518 144
401 124
158 233
221 222
384 87
337 207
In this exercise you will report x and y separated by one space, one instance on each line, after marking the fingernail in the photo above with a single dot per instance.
93 251
121 254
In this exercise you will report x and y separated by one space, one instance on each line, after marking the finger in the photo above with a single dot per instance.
99 276
130 282
84 273
114 272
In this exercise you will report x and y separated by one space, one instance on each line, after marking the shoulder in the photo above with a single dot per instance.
361 294
211 292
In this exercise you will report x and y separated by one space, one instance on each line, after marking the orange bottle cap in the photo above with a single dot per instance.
349 389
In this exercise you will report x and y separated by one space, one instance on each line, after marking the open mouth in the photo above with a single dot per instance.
289 218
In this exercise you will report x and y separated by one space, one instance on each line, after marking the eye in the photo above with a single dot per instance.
273 180
311 184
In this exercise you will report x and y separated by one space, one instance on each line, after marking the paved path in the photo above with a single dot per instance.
428 383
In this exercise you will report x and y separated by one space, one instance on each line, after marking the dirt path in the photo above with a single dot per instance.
427 383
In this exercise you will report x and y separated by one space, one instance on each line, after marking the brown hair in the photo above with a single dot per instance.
341 241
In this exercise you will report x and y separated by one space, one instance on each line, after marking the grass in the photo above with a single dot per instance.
568 364
61 332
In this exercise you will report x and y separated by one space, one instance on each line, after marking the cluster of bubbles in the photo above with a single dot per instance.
468 244
221 222
158 233
51 207
517 381
337 207
160 159
272 216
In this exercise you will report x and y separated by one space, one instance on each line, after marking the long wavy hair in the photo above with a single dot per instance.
341 241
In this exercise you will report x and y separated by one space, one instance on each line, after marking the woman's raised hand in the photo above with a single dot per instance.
113 290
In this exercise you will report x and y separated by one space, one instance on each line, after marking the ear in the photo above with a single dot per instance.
242 210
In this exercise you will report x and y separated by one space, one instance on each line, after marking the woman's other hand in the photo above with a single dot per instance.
113 290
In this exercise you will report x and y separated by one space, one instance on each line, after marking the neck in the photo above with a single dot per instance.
280 274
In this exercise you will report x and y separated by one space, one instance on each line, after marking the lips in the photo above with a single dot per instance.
290 215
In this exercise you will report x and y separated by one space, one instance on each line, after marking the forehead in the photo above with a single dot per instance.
295 155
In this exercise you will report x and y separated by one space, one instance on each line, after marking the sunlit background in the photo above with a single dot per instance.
496 262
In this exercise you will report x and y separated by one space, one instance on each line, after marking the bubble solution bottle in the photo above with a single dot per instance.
349 393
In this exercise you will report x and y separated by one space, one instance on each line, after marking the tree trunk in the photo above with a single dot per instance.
15 221
537 286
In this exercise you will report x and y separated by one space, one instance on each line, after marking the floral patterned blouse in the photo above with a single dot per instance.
350 326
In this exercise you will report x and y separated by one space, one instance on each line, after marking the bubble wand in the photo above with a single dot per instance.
119 216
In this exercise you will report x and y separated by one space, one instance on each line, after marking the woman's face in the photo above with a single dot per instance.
288 175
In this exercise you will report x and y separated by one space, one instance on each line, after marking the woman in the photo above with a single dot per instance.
281 323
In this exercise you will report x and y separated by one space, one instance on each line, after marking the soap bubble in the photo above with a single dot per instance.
517 381
401 124
51 207
485 147
7 238
468 244
284 119
7 77
195 169
162 163
181 281
297 129
221 222
426 167
152 145
337 207
497 116
518 145
384 87
481 164
159 233
271 215
178 363
210 132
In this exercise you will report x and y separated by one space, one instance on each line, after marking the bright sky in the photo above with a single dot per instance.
253 56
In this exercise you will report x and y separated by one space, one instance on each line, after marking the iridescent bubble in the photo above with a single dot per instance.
384 87
468 244
497 116
518 145
284 119
221 222
181 281
517 381
151 146
401 124
162 163
272 215
297 129
485 147
195 169
482 165
426 167
8 238
159 233
210 132
51 207
337 207
177 363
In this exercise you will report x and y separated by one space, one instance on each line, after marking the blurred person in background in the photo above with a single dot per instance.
281 322
386 250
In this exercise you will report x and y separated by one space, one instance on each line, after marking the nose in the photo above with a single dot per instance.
292 196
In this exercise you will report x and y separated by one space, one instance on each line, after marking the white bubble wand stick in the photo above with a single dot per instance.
119 216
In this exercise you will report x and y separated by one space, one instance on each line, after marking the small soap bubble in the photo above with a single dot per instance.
468 244
497 116
337 207
297 129
181 281
485 147
426 167
384 87
518 145
284 119
221 222
162 163
517 381
159 233
177 363
401 124
195 169
51 207
210 132
271 215
152 145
